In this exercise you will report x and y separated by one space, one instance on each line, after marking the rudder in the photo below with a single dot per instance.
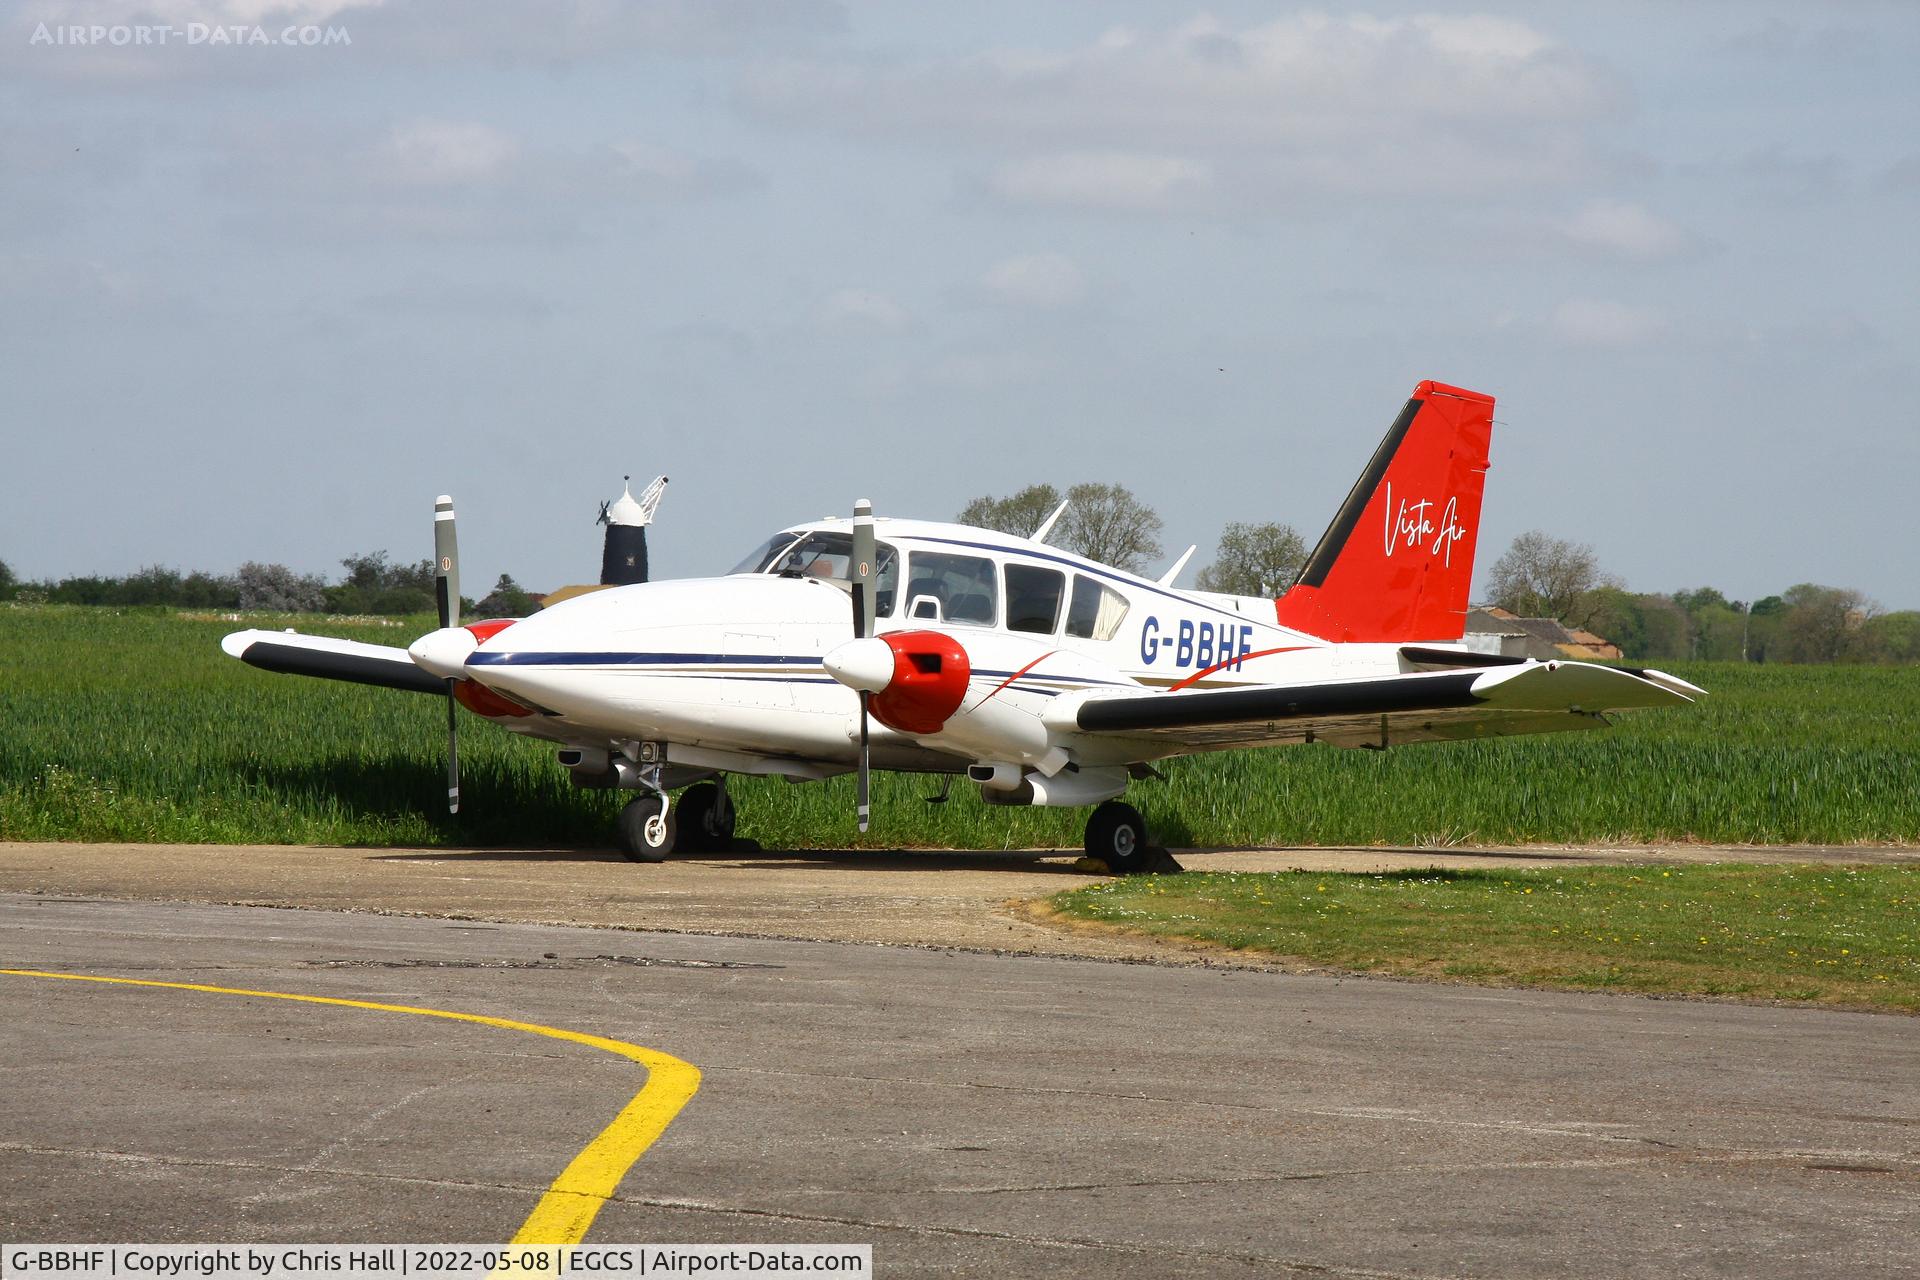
1396 564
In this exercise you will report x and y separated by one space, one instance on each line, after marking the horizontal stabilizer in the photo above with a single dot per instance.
351 660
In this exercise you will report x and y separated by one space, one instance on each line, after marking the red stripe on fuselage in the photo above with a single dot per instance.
1016 675
1237 658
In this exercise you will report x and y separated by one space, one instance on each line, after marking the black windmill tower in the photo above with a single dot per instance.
624 558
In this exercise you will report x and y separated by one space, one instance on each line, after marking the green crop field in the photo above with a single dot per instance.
132 725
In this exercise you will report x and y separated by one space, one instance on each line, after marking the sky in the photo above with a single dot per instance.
262 298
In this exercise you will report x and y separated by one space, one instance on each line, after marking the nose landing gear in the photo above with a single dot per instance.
649 829
653 826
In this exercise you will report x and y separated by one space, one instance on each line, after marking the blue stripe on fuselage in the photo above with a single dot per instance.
480 659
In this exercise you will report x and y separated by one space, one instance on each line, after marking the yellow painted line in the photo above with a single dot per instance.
574 1198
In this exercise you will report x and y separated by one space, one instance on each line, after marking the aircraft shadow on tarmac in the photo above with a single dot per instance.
503 820
747 852
388 787
1054 862
500 806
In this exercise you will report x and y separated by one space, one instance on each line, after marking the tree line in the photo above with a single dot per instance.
1545 577
1537 576
370 584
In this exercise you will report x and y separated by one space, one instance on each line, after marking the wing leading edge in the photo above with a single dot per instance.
1382 711
351 660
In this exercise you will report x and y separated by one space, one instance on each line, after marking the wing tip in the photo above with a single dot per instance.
1671 690
1672 684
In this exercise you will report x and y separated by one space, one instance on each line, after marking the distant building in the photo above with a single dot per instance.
623 559
623 554
1493 630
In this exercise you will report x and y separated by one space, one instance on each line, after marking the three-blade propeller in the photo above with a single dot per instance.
446 590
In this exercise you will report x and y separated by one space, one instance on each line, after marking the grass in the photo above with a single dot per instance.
130 724
1841 936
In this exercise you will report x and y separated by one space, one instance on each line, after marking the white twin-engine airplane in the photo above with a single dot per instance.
1047 678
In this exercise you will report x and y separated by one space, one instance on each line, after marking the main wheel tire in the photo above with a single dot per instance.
649 830
706 818
1117 835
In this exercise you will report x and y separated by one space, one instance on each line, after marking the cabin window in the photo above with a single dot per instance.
1033 598
964 586
1096 610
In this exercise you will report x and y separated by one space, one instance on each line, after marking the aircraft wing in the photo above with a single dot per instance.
1381 711
331 659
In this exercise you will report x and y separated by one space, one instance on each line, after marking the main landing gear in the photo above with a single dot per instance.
653 826
1117 836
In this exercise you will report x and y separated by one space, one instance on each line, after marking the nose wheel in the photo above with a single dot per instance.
1117 836
649 829
701 821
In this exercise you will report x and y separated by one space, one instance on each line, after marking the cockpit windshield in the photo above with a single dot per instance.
762 555
824 554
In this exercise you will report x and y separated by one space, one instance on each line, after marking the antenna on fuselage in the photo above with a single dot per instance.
1046 526
1166 579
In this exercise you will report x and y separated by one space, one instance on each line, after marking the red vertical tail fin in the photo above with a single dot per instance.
1396 564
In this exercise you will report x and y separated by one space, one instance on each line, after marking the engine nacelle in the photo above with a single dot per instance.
997 728
444 653
917 679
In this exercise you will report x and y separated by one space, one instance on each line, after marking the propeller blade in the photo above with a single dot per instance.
862 571
446 590
861 783
446 562
453 754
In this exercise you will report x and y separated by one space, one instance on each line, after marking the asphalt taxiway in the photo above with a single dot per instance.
967 1113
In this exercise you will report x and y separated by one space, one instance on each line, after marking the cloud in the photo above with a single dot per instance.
1041 281
863 309
1589 322
1626 232
560 32
1102 180
668 172
1307 104
445 177
446 152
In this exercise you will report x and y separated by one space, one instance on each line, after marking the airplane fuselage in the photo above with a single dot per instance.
733 664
